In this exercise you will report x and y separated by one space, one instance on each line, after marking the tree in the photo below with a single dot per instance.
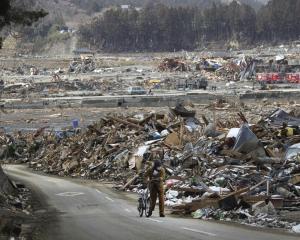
12 12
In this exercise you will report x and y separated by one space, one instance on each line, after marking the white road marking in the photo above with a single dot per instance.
69 194
98 191
109 199
127 210
52 180
154 220
198 231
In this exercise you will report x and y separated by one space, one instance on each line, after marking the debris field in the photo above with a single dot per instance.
222 162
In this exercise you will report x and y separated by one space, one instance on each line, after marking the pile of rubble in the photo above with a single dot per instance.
82 65
33 88
173 64
246 176
225 69
223 169
15 210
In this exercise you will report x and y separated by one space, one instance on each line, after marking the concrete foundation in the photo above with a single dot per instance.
166 100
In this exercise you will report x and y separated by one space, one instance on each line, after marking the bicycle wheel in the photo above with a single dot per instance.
141 209
147 207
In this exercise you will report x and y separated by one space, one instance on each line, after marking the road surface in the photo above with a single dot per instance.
89 213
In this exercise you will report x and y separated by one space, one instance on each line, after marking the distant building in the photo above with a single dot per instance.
65 29
125 7
80 51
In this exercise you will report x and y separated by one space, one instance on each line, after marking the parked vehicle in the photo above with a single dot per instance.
293 77
136 90
200 83
273 77
278 77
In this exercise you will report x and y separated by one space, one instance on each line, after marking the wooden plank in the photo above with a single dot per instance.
130 181
126 123
295 179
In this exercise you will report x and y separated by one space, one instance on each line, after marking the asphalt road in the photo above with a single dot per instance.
89 213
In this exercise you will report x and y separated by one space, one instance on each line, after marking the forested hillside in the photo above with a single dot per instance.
180 14
97 5
76 11
158 27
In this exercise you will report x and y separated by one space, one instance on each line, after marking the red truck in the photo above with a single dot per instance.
278 77
292 77
270 77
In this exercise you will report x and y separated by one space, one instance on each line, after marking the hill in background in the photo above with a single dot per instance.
75 12
47 35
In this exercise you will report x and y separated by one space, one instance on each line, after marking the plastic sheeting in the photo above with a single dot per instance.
292 151
246 140
280 116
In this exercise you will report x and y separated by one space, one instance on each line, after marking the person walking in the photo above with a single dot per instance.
156 176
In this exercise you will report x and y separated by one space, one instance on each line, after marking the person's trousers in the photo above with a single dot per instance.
156 188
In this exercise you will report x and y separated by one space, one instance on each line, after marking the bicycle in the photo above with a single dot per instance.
144 202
